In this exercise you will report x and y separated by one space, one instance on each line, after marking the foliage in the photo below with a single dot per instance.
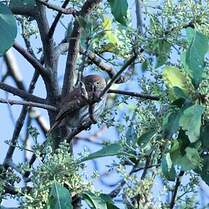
164 138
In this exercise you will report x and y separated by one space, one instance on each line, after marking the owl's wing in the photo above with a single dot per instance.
65 109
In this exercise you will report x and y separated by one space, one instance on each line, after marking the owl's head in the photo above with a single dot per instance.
94 83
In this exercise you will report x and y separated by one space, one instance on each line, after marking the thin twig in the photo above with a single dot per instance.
123 68
26 103
134 94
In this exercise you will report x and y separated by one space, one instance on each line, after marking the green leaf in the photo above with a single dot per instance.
194 157
168 168
8 28
109 202
178 156
22 3
94 200
204 171
60 197
176 81
119 10
162 51
190 121
204 136
109 150
108 31
195 55
171 124
145 138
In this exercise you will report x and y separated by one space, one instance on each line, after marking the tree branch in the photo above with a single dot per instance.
61 10
134 94
33 61
14 72
70 74
21 93
56 20
19 124
116 76
177 184
30 104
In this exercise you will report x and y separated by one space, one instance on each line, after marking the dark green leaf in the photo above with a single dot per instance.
193 156
145 138
168 168
171 124
119 10
95 201
8 28
60 197
204 136
109 150
204 171
179 158
195 55
185 154
22 3
109 202
190 121
162 52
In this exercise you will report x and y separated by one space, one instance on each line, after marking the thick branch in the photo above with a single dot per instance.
139 15
70 74
62 10
134 94
21 93
30 104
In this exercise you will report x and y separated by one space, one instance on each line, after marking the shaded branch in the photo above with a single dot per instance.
134 94
62 10
30 104
19 125
139 15
21 93
70 74
176 187
14 72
